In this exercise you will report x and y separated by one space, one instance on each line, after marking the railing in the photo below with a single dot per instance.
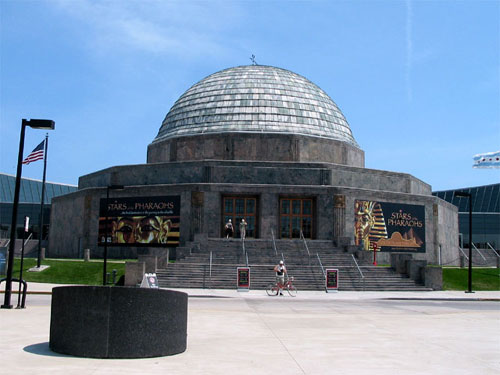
321 265
210 272
27 239
475 248
243 246
274 243
359 270
282 257
305 243
246 254
463 252
492 248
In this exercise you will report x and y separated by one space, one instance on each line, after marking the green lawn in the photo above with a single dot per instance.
67 271
482 278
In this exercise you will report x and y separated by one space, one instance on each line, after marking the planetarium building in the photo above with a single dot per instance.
265 145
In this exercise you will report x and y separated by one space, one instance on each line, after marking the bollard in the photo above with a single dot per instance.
114 276
121 322
86 255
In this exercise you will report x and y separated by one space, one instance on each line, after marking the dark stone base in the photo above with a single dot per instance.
118 322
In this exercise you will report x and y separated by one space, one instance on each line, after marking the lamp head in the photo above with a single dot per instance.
461 194
40 124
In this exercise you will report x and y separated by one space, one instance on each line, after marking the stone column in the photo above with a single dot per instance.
338 216
197 200
268 215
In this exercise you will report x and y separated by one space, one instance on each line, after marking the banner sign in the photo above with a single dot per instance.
243 278
140 221
332 280
391 226
149 280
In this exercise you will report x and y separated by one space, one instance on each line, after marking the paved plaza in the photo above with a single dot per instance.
314 333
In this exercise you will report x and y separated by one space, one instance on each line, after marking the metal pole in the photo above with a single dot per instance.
40 222
470 244
26 224
12 243
105 255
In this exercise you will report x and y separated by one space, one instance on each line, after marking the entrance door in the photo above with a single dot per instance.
295 215
237 208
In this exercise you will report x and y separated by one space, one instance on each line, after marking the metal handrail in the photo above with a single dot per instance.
475 248
305 243
463 252
321 265
28 239
243 246
246 254
492 248
282 257
210 271
359 270
274 243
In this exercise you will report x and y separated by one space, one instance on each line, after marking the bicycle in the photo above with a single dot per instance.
273 289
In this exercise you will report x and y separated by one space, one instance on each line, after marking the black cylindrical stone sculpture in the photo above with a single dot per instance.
118 322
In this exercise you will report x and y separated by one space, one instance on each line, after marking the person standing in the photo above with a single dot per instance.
243 229
280 270
229 229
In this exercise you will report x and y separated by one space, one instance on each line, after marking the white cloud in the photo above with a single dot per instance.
174 28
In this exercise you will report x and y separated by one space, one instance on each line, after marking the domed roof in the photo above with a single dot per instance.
256 99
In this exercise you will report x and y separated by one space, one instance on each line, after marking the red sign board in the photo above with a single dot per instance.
243 278
332 279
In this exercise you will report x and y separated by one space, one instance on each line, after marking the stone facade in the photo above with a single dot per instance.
259 147
202 194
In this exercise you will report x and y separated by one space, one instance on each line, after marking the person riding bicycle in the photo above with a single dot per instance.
280 270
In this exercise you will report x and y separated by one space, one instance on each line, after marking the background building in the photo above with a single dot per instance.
263 144
485 214
29 204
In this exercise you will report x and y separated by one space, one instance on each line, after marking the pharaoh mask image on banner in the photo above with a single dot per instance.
391 226
141 221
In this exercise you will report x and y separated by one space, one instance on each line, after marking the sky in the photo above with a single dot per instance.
418 81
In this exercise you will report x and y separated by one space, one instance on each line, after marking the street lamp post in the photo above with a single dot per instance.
105 255
469 196
35 124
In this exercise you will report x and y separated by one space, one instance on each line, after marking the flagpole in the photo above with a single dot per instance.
40 221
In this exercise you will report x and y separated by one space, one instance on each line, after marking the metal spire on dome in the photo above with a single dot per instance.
253 60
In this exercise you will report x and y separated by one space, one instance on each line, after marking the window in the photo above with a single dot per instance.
296 215
237 208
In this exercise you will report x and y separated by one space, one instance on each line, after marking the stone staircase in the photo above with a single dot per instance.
30 247
194 270
483 257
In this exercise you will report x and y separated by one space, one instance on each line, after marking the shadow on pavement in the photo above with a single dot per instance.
43 349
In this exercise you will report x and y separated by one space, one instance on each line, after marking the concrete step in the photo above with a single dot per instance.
194 270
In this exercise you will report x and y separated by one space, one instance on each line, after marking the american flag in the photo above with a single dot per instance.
36 154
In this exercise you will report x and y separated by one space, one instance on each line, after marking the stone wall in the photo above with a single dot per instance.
268 173
446 238
255 146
